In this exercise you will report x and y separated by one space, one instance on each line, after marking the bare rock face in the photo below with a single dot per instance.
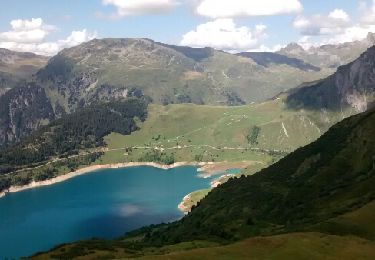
352 86
23 110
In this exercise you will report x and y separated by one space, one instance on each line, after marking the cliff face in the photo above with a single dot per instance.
22 110
351 87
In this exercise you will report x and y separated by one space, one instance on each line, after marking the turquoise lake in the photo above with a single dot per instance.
104 204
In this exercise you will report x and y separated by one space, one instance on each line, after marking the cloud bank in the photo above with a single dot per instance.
224 34
237 8
140 7
31 36
335 27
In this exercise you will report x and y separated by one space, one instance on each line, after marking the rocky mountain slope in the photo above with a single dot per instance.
329 56
22 110
351 88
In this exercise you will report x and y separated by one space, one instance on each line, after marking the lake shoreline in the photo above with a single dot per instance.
93 168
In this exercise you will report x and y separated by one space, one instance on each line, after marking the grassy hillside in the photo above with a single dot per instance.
325 179
324 187
259 132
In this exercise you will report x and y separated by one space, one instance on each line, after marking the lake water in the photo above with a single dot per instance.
105 204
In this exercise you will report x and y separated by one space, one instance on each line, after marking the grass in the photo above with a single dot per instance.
309 245
215 133
359 222
288 246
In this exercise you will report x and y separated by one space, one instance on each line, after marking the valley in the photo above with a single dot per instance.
277 147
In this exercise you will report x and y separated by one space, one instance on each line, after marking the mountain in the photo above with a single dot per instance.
351 88
107 69
331 55
267 59
110 69
324 187
17 66
166 73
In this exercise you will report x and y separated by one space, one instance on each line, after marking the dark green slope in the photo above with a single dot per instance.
332 176
326 187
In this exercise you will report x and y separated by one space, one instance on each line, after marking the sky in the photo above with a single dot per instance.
45 27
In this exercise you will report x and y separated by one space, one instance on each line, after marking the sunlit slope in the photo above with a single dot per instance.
217 133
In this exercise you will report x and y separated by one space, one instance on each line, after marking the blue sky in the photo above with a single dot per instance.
232 25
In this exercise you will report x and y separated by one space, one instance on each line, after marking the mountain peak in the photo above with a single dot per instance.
293 47
371 37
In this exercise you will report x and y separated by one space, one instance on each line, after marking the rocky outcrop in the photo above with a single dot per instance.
352 86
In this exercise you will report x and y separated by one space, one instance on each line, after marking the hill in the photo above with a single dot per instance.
258 132
18 66
324 187
327 178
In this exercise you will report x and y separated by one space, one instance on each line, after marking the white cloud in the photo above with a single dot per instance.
335 22
224 34
24 31
339 14
235 8
139 7
350 34
30 36
264 48
336 27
